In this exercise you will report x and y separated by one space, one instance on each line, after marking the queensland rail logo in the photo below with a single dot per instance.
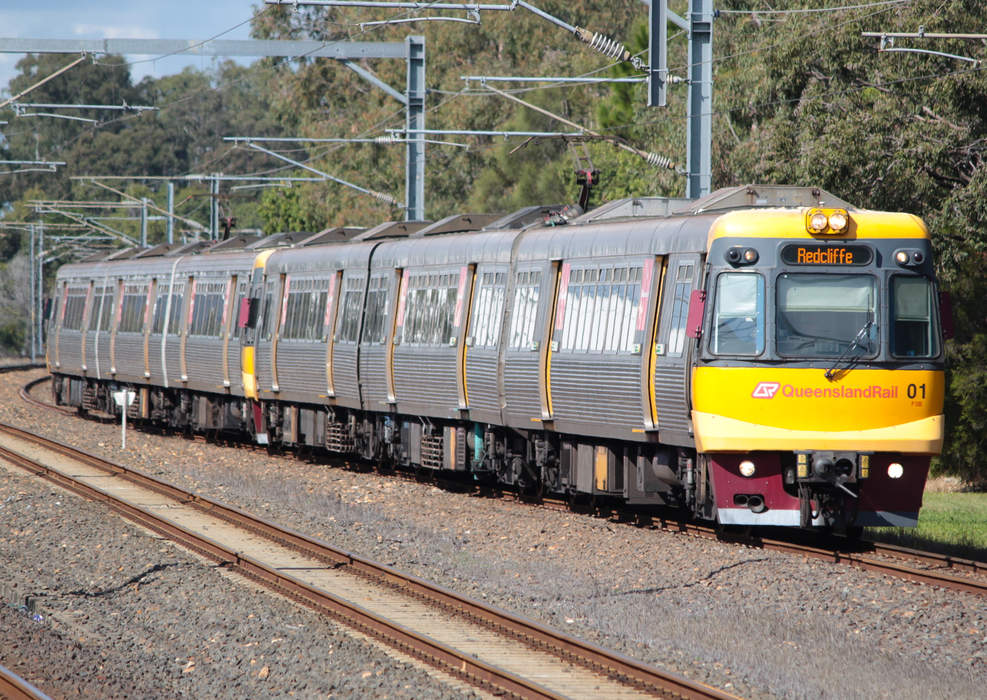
765 390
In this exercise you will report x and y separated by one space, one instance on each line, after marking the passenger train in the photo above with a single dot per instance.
766 355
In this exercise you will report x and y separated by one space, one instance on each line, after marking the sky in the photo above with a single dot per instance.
124 19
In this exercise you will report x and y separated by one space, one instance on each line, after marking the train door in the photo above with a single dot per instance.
671 361
186 324
464 298
525 358
117 313
280 305
228 326
485 323
330 321
345 363
396 319
94 297
152 295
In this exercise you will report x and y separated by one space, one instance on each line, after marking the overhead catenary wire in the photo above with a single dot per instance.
653 159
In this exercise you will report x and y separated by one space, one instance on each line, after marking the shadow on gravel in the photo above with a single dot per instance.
138 579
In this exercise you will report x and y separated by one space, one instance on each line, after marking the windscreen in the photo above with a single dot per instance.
822 315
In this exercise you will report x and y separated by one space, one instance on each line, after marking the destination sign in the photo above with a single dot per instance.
841 255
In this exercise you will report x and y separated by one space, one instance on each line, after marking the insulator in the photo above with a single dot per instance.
659 161
385 140
385 198
610 48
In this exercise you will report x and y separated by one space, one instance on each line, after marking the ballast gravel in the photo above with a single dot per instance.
95 607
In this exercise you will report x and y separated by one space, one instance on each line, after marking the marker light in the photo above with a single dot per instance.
750 255
895 470
747 468
901 257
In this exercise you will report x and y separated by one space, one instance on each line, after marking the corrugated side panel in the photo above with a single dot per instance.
154 360
344 374
90 354
302 370
103 356
521 389
262 366
129 357
173 361
236 367
670 399
481 382
373 376
427 376
595 389
204 358
70 352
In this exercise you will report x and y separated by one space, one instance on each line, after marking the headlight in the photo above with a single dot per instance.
818 222
895 470
838 221
747 468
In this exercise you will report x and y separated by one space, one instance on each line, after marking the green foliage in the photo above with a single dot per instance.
950 523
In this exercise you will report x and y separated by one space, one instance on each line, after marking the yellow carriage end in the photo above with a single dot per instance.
817 223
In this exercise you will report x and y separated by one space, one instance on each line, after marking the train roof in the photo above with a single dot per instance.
636 225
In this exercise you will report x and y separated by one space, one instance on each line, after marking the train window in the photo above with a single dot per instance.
304 317
738 316
526 290
133 308
430 305
680 309
207 309
270 312
349 326
375 330
821 315
75 304
160 306
601 310
913 333
175 314
488 308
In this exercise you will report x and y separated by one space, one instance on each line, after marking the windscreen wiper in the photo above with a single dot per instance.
861 334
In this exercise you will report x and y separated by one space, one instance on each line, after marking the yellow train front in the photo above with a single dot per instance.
817 387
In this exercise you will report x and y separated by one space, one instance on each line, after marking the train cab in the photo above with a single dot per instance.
817 385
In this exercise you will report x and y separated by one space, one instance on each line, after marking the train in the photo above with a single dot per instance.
766 355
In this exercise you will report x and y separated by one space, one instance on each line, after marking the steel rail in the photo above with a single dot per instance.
452 661
837 554
13 687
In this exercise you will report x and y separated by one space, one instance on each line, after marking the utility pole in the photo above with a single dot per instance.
171 212
33 302
39 295
214 207
143 222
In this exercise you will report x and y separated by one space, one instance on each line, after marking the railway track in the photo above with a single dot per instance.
909 564
488 648
13 687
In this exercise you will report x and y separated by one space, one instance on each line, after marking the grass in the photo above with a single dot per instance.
949 523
